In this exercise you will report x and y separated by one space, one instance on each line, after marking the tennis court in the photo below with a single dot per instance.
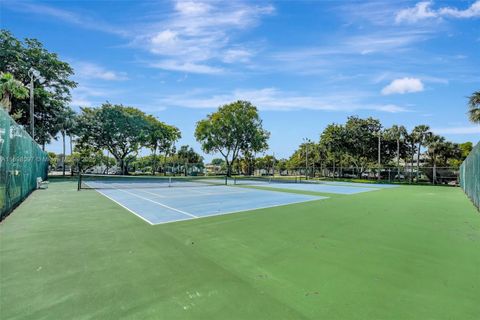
411 252
311 185
157 200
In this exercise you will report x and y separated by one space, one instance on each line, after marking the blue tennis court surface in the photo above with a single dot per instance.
163 205
360 184
309 186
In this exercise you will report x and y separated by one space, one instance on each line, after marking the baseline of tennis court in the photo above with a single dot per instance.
359 184
164 205
308 186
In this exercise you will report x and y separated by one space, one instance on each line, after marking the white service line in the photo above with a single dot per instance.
160 204
125 207
251 209
191 195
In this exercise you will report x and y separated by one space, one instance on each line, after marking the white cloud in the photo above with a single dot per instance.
64 15
457 130
391 108
403 85
88 96
237 55
87 70
174 65
423 11
197 35
272 99
471 12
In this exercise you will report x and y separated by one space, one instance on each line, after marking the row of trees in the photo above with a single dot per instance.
51 87
235 130
364 144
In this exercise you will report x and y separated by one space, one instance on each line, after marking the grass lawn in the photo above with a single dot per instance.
411 252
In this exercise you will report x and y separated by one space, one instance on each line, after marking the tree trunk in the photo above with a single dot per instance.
63 155
411 163
154 161
123 167
418 160
6 101
379 156
229 167
333 168
71 152
398 159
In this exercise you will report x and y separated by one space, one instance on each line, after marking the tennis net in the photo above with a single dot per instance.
95 181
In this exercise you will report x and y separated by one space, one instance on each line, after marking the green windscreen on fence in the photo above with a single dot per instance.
470 175
21 162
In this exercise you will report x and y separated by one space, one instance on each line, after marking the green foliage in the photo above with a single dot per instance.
52 160
160 138
233 129
119 129
218 162
474 107
186 154
465 148
52 91
85 157
10 88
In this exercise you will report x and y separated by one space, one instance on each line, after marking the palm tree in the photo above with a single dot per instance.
11 88
398 133
66 124
474 107
434 143
421 132
411 140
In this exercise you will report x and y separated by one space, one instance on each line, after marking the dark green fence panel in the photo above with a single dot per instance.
21 162
470 175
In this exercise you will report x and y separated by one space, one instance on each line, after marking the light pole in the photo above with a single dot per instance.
306 157
33 74
379 151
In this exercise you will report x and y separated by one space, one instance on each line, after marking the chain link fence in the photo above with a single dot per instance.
21 162
406 174
470 175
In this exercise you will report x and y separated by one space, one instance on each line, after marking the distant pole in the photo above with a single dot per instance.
273 174
379 149
33 74
32 108
306 158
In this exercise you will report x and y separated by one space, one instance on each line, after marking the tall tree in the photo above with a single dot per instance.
434 143
186 154
10 88
66 124
167 143
119 129
160 136
398 133
333 140
52 90
474 107
232 129
420 132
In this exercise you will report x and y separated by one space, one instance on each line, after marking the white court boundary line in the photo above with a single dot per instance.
196 195
159 203
237 211
199 217
127 208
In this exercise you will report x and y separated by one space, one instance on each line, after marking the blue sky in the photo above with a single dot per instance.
304 64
